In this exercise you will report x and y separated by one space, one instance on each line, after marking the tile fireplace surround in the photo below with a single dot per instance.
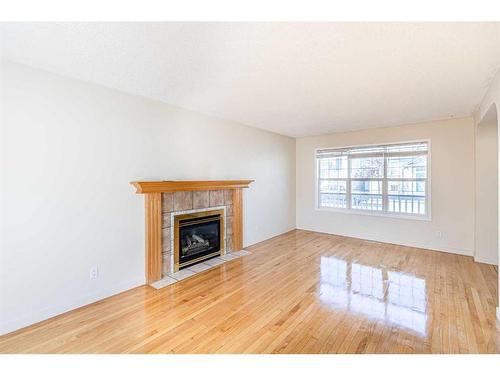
187 202
166 199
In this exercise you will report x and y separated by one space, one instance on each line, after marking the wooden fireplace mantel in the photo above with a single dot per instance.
153 198
144 187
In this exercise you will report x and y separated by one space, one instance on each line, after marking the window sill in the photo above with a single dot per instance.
374 213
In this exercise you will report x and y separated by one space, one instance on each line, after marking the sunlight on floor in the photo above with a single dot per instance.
394 297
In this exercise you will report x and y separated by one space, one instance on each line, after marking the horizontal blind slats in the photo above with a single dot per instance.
400 149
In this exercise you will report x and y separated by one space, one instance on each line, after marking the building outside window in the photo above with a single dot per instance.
390 179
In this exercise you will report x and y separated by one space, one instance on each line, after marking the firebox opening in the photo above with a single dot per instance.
199 237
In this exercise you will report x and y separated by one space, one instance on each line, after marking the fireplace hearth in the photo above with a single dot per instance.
197 237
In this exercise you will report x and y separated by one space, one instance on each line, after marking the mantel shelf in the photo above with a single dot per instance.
146 187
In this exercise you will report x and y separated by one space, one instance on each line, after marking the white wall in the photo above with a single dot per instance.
452 180
486 219
491 102
68 152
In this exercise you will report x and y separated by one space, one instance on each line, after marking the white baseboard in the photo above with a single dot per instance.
42 314
498 314
33 317
268 236
443 249
484 260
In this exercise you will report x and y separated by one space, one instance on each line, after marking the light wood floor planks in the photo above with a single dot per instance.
301 292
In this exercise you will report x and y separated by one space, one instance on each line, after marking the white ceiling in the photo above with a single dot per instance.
291 78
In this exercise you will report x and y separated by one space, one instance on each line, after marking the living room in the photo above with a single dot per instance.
249 187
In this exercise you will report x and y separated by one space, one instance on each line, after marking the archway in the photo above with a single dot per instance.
487 193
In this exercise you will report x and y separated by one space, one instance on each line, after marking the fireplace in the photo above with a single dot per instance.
166 200
198 236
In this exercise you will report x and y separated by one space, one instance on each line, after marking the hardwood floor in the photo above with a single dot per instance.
301 292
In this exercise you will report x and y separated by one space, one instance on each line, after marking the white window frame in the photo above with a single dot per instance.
396 215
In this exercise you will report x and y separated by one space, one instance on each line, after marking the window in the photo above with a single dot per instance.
386 179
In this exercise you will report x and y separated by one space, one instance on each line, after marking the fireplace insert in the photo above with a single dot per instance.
199 238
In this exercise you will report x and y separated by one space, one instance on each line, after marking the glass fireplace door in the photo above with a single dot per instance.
199 238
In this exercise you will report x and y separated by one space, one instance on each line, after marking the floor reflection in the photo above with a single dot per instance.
376 293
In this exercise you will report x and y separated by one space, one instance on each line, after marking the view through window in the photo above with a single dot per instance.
388 178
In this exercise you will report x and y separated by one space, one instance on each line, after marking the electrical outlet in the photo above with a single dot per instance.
439 234
94 272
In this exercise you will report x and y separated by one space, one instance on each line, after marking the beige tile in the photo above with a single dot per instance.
214 261
166 261
183 200
199 267
168 202
216 198
182 274
229 210
229 257
229 243
228 197
163 282
201 199
229 225
165 222
165 239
